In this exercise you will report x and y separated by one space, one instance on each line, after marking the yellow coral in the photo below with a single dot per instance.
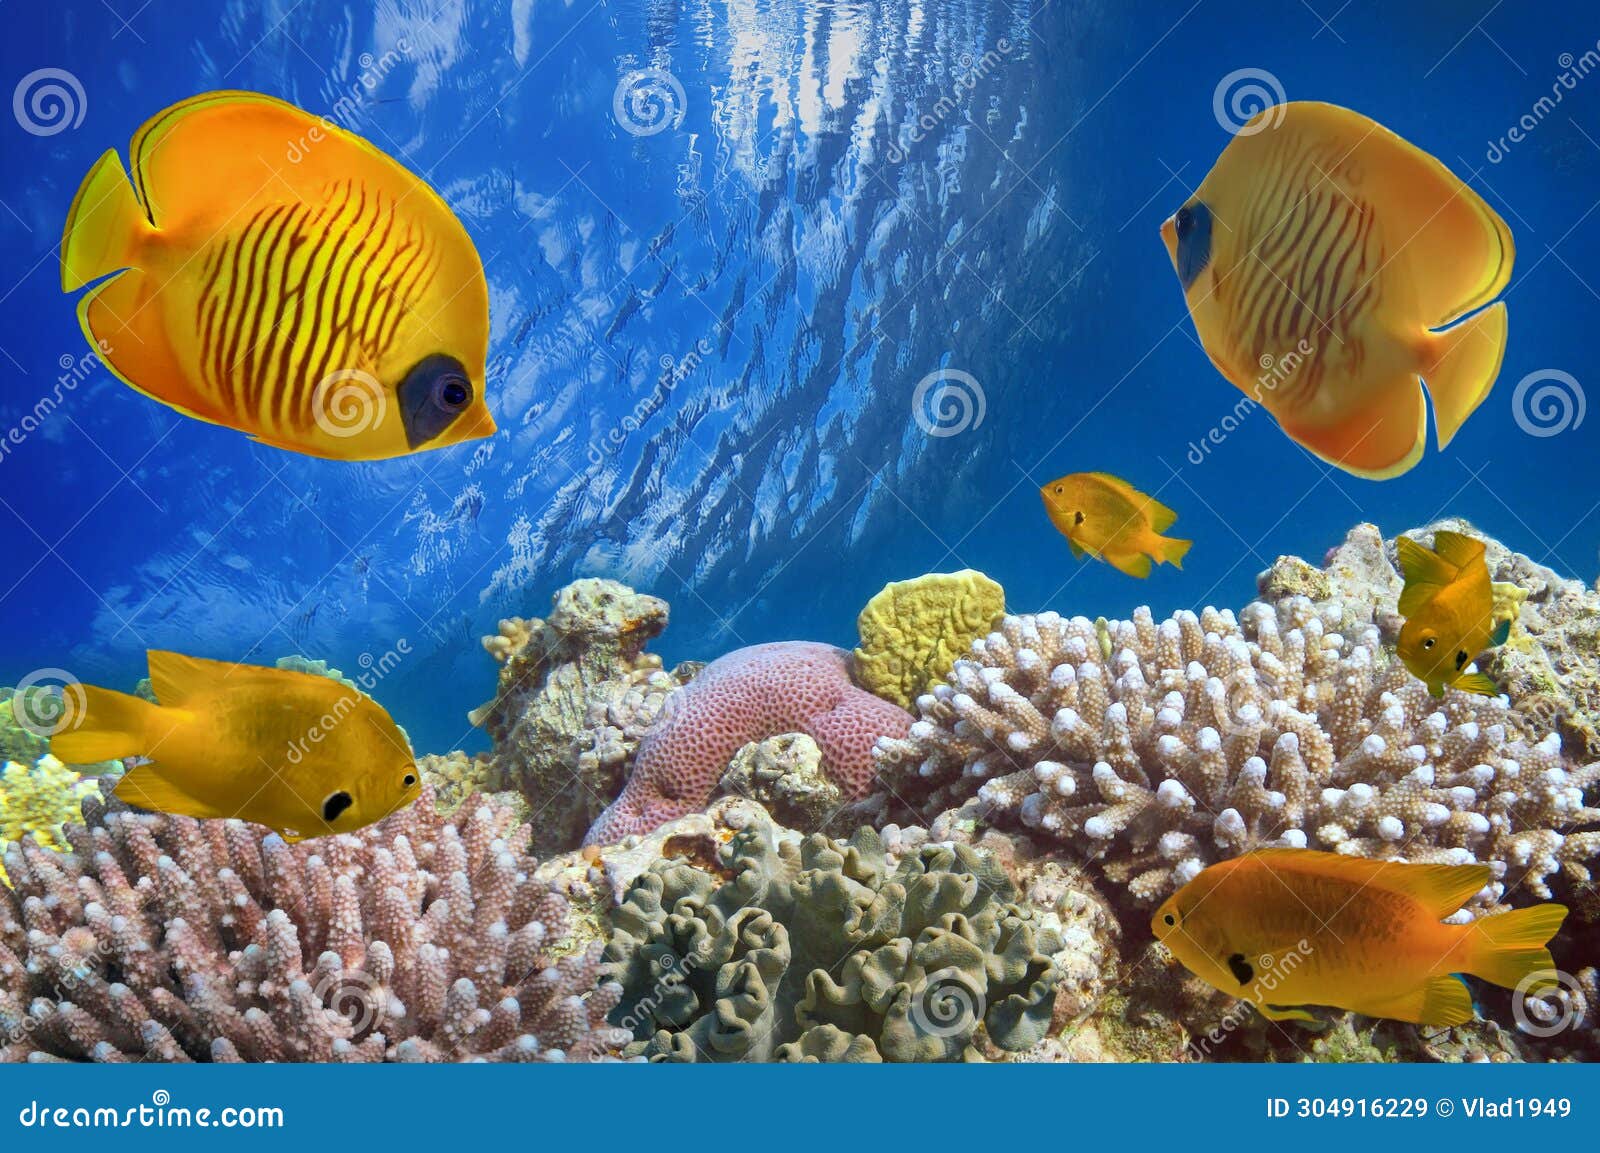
913 631
38 800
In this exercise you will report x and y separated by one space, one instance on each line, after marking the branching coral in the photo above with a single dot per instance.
38 800
824 951
1199 738
749 695
912 631
576 693
421 938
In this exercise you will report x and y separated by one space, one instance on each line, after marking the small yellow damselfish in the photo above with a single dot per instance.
1104 516
302 754
330 305
1451 612
1282 928
1328 250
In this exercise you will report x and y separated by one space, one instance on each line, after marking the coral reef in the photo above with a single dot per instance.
38 800
912 631
825 951
576 693
25 723
1202 737
749 695
420 938
1550 666
785 774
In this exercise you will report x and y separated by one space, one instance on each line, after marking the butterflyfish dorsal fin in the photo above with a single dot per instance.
1457 549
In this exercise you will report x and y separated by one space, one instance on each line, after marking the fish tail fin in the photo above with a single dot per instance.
103 725
1173 551
104 226
1461 368
1510 947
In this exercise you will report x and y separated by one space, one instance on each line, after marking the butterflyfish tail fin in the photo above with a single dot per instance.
1173 551
104 226
102 725
1464 363
1511 947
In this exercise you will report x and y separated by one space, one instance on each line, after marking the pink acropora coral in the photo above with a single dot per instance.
749 695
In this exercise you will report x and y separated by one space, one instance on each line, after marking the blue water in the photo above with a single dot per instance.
847 198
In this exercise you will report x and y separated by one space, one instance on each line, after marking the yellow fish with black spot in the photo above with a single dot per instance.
1283 928
1451 610
330 305
302 754
1319 258
1106 517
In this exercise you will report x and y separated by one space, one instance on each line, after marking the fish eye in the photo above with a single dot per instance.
410 780
1169 920
453 393
1060 488
1430 642
1185 221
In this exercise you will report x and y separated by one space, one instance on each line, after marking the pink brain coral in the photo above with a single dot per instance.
748 695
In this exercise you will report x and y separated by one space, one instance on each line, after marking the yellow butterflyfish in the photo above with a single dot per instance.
1284 928
1106 517
1318 258
331 305
302 754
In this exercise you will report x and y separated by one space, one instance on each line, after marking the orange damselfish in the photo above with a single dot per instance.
280 276
1288 927
1104 516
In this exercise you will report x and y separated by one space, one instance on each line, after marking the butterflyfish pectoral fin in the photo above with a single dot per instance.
1380 440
